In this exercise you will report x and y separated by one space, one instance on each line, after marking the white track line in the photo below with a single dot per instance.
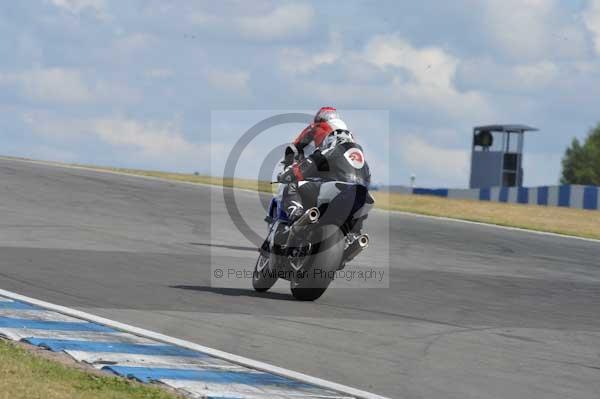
195 347
417 215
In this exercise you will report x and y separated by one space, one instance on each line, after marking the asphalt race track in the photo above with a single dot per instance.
472 311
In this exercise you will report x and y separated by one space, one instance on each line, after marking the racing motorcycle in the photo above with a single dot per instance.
309 251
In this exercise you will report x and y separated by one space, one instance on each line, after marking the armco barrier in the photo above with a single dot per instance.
569 196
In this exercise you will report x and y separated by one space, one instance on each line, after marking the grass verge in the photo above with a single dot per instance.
247 184
25 375
568 221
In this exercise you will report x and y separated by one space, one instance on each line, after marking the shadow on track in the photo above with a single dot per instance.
234 247
235 292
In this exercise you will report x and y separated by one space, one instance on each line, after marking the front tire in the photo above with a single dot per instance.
263 277
320 267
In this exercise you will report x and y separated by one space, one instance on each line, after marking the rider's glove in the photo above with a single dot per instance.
292 154
287 176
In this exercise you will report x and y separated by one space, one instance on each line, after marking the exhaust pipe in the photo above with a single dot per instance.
311 216
361 243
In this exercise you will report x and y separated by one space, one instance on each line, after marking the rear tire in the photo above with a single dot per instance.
320 268
307 294
263 277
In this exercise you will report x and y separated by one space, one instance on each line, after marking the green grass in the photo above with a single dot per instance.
24 375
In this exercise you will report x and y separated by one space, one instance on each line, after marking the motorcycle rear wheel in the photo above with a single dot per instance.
320 267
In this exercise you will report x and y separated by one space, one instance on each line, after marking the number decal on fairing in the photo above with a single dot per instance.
355 157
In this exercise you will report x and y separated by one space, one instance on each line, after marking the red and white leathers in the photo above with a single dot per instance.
325 122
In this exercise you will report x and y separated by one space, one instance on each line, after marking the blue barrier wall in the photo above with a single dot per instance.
569 196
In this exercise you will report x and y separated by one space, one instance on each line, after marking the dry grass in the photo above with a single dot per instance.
24 375
576 222
247 184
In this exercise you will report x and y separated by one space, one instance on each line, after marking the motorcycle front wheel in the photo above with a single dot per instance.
263 277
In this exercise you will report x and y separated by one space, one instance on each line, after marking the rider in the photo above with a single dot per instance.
326 121
337 157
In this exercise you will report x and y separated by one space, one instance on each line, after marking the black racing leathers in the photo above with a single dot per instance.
344 162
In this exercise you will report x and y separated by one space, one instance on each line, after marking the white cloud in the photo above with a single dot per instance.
591 17
485 74
533 29
423 77
284 21
50 85
388 72
298 61
234 81
294 60
431 163
161 142
538 75
159 73
420 102
133 42
151 139
204 19
44 123
65 86
98 7
517 26
429 66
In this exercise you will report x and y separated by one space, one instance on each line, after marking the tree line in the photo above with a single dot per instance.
581 162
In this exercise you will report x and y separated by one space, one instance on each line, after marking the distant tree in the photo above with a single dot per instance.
581 163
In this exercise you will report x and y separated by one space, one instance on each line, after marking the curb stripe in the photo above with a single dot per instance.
39 315
318 388
52 325
16 305
102 359
61 345
18 334
145 374
204 390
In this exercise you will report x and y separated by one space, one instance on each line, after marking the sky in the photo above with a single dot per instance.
152 84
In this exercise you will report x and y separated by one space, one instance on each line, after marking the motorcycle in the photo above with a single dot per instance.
310 251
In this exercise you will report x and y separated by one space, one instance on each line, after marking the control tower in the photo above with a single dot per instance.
497 155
